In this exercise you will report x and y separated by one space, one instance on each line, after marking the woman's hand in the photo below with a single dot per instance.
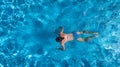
60 49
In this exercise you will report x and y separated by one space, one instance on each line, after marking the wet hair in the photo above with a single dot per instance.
59 39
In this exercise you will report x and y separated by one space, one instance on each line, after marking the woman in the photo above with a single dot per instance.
63 38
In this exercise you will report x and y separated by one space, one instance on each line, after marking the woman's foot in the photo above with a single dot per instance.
96 34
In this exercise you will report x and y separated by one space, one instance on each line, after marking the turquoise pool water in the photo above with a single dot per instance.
27 33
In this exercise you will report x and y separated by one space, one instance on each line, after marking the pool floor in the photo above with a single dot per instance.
28 29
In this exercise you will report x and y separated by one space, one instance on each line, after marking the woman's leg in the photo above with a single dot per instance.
89 38
88 32
79 32
86 39
81 39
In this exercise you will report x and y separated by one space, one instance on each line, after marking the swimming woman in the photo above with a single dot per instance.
63 38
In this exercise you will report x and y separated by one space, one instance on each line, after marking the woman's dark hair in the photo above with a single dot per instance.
59 39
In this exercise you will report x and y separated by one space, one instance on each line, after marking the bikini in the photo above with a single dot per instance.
75 35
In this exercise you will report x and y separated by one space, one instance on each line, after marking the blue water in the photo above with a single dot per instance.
27 33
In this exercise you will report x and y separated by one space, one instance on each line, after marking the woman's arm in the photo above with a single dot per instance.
61 29
63 47
62 44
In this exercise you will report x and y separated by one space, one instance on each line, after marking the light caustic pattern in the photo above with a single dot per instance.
27 33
